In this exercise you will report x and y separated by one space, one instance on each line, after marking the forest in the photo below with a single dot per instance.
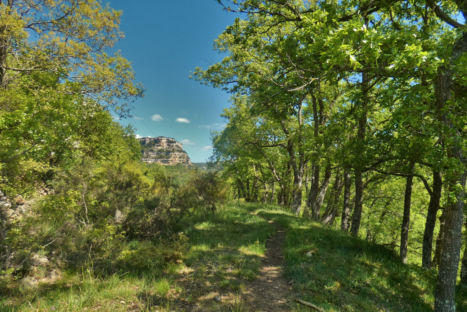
344 150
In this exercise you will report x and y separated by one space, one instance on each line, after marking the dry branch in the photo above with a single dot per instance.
309 304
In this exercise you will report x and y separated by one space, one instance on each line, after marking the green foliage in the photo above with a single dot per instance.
209 187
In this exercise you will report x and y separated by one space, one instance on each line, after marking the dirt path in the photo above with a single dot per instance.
269 291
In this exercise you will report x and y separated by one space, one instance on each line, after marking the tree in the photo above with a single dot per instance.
68 38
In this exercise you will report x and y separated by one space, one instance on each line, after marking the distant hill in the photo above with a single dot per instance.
202 166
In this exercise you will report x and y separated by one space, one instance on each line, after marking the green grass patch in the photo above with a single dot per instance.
347 273
224 252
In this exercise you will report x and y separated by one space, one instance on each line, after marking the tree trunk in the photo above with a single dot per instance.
281 199
273 192
406 218
314 188
316 207
297 194
346 209
265 194
439 241
255 190
3 56
361 133
248 192
241 187
463 282
357 213
445 292
431 220
369 235
333 204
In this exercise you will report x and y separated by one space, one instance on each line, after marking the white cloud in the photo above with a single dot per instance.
157 117
207 148
137 118
182 120
215 126
115 118
187 142
138 136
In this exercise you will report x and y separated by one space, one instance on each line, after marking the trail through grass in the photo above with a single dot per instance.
223 261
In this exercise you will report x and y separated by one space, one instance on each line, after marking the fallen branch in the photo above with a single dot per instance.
309 304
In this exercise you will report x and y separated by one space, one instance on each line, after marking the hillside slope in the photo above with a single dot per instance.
225 256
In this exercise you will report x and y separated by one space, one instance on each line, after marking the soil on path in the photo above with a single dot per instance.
270 290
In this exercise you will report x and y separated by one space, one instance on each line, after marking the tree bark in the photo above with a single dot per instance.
445 292
406 218
241 187
273 192
357 213
346 209
314 188
297 194
463 282
255 186
265 194
439 241
316 207
361 133
333 203
431 220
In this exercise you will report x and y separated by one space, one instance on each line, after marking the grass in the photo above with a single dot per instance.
224 255
347 273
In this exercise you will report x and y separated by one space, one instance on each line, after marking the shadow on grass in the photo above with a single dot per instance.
350 274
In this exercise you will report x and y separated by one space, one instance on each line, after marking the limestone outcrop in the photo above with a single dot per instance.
162 150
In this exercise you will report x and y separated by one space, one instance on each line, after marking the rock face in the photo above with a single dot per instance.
162 150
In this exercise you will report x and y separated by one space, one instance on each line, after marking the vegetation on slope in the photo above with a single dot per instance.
220 253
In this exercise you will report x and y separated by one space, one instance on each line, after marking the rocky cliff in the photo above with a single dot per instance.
162 150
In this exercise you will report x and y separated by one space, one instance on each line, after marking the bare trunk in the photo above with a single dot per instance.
265 194
241 188
431 220
346 209
361 133
333 204
316 207
357 213
3 57
406 218
273 192
439 241
248 192
463 282
314 188
445 292
255 190
297 194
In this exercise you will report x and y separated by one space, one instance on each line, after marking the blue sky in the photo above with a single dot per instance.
165 40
